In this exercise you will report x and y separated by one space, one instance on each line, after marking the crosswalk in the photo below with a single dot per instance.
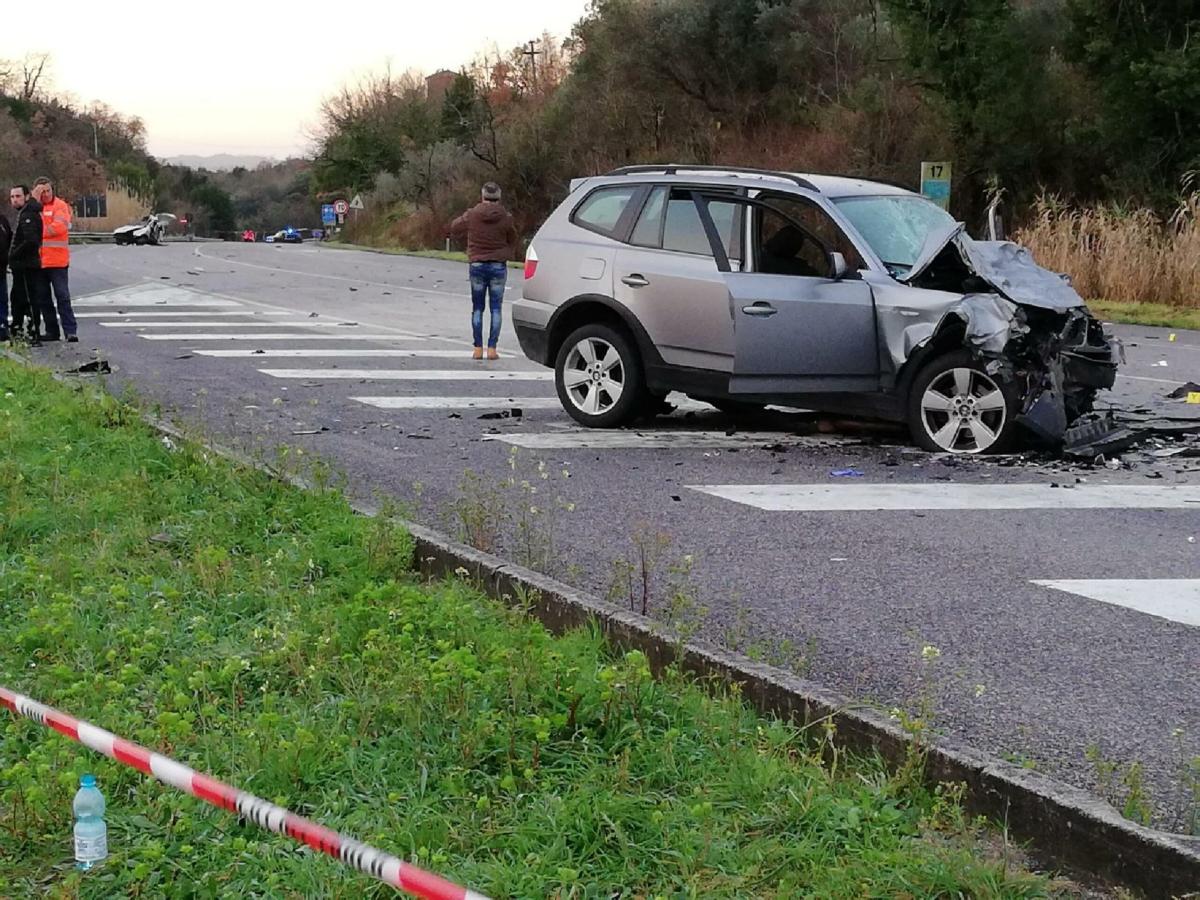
221 328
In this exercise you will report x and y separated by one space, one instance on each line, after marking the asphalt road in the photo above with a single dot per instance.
789 570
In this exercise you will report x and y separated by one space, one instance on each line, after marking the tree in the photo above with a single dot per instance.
1147 62
468 121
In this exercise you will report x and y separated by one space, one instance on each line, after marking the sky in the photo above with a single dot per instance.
222 76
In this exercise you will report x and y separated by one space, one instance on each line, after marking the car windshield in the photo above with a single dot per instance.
896 227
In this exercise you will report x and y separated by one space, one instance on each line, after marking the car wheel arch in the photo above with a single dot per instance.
587 308
950 335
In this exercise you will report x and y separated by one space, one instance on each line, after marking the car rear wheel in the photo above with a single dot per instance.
599 377
955 406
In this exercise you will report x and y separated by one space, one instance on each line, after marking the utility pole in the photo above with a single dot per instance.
95 141
533 53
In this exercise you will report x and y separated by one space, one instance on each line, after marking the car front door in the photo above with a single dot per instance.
801 324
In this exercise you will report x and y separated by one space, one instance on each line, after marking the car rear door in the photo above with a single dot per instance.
799 327
667 276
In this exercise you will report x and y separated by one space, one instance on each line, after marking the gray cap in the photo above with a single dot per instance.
491 191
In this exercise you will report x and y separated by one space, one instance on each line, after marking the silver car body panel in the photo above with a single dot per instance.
684 305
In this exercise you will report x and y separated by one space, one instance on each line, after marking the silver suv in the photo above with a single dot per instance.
744 287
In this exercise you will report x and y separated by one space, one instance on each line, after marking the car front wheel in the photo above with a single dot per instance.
599 377
955 406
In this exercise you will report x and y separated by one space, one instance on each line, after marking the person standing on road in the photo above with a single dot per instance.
5 242
56 259
491 243
25 260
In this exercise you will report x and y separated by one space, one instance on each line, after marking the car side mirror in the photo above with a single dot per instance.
837 265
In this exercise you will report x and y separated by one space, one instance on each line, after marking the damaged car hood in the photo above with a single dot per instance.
1006 267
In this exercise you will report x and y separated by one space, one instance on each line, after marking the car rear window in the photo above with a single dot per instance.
603 209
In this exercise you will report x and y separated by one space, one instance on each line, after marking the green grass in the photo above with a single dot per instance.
451 255
272 638
1156 314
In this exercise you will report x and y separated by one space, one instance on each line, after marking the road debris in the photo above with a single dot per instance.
95 367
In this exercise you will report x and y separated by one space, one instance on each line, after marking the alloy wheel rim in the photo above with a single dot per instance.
594 376
963 411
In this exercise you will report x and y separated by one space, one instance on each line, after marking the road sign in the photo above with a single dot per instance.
357 203
341 207
935 182
328 216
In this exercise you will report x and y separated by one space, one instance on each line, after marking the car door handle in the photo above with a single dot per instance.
634 281
760 309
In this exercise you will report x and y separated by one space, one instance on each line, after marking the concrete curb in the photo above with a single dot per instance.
1066 826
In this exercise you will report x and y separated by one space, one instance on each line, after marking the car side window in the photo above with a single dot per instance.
818 224
603 209
782 247
684 232
648 232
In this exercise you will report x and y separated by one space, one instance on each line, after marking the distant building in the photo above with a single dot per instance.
111 209
438 85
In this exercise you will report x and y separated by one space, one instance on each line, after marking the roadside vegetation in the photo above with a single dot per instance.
1083 113
275 639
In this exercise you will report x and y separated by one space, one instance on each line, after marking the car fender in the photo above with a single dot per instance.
570 315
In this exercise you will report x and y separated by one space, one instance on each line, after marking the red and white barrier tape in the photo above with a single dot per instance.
365 858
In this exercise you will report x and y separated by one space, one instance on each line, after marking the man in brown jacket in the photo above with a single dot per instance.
491 243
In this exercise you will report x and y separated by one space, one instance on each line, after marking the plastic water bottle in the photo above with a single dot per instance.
91 834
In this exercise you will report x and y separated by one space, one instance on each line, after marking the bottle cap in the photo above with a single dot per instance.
87 781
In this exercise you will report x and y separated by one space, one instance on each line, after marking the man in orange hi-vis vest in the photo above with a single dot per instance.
56 260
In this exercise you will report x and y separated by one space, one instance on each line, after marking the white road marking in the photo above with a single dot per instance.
378 338
274 323
859 496
191 312
479 374
654 440
1177 599
331 353
151 303
1154 380
459 402
150 294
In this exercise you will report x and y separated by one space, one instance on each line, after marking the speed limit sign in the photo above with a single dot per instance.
341 207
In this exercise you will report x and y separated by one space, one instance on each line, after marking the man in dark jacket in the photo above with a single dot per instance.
491 243
25 260
5 242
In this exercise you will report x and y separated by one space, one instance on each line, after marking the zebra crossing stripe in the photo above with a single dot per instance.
873 496
191 313
366 859
659 439
299 352
459 402
283 336
476 374
275 323
1176 599
151 303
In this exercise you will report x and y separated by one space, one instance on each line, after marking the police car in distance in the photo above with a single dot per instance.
286 236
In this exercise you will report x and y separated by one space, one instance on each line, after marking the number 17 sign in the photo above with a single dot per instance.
935 182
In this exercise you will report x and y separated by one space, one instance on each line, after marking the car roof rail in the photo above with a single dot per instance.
672 169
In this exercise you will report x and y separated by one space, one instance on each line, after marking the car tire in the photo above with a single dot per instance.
955 406
599 377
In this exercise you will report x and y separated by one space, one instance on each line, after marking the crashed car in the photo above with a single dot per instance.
745 287
149 231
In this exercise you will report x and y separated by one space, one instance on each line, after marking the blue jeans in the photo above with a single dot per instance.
57 280
487 287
